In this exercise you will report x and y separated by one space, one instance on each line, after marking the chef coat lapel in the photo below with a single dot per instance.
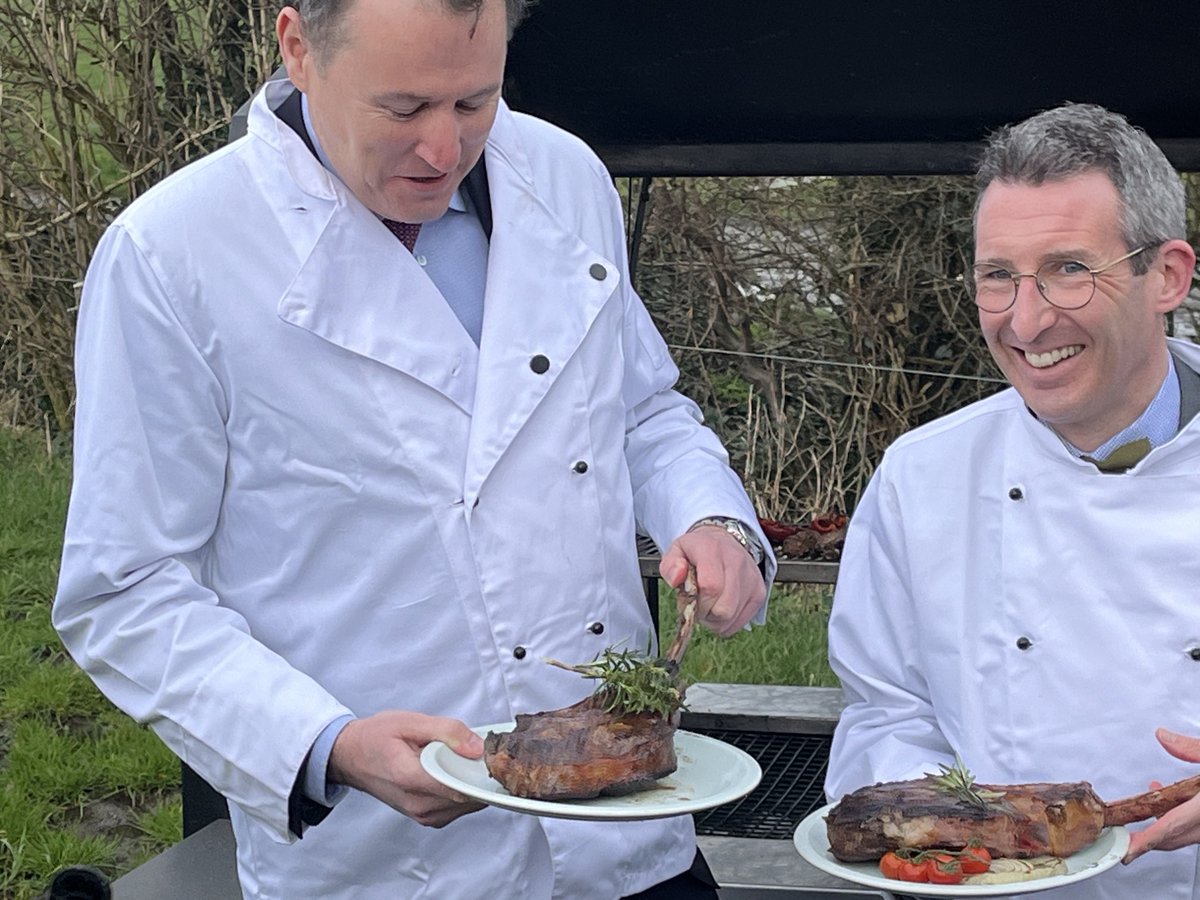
356 285
1189 388
360 289
1182 447
545 288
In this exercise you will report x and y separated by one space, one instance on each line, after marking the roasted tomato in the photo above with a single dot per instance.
975 860
943 869
889 865
912 871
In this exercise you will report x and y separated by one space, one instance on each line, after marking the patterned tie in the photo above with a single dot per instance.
406 231
1124 457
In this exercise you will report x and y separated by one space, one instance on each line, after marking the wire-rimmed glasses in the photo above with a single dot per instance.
1065 283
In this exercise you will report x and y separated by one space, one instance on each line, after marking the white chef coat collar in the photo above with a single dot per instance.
505 145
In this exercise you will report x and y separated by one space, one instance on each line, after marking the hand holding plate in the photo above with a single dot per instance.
381 756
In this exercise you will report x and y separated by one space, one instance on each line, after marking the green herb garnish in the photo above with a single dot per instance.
631 682
957 781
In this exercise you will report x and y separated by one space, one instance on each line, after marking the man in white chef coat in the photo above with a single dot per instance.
1019 578
368 417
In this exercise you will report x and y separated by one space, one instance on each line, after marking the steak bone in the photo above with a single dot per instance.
1151 804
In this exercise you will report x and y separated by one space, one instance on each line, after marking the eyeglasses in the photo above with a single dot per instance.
1065 283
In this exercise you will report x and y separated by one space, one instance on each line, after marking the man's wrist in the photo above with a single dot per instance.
318 784
738 530
313 796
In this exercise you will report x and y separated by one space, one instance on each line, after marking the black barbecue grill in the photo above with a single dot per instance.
793 768
793 762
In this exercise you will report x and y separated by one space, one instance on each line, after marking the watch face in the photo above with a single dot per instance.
739 533
745 538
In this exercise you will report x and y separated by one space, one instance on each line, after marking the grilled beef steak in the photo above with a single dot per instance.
1026 820
1030 820
587 750
580 752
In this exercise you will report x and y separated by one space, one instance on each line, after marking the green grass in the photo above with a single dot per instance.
81 783
790 649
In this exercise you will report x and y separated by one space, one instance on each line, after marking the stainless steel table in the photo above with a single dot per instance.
201 867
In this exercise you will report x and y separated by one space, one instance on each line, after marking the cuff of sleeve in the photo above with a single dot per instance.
312 797
316 782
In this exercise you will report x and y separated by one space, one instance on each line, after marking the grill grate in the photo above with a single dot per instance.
792 785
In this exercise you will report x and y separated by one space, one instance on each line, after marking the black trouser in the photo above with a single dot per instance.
697 883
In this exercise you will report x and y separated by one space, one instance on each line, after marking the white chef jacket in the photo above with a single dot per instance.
980 534
301 490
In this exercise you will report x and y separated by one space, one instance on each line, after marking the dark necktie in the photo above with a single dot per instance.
1124 457
406 231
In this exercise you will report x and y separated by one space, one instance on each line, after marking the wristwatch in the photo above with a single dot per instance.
738 532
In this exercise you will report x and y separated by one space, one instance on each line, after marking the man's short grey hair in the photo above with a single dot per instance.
323 19
1078 138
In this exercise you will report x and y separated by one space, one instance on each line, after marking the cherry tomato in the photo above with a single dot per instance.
889 865
943 869
911 871
975 860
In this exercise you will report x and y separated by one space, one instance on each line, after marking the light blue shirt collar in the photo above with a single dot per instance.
1158 423
451 249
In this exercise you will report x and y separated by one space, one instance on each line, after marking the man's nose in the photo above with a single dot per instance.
1031 312
441 142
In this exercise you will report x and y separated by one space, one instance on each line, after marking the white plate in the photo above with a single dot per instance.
812 841
709 773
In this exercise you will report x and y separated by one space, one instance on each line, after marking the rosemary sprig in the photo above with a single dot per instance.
957 781
631 682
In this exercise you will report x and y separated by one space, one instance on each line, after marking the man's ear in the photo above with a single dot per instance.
1175 265
294 49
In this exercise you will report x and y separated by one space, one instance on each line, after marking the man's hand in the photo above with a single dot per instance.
1181 826
730 586
381 755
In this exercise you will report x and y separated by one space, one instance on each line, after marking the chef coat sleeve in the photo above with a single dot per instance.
313 797
149 473
888 729
679 468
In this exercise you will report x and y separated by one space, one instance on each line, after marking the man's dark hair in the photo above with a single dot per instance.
323 19
1078 138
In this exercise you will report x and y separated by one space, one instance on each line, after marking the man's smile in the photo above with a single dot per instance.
1051 357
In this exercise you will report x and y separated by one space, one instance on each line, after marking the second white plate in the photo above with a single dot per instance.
812 841
710 773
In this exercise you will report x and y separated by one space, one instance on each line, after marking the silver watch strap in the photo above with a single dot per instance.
738 531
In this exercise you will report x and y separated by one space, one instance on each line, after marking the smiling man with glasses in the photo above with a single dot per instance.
1019 580
1081 339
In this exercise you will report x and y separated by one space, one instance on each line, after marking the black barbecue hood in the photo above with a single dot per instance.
696 87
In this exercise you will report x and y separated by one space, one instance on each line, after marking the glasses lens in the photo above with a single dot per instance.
993 287
1067 283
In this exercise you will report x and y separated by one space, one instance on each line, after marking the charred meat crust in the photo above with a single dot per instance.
581 752
1028 820
584 751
